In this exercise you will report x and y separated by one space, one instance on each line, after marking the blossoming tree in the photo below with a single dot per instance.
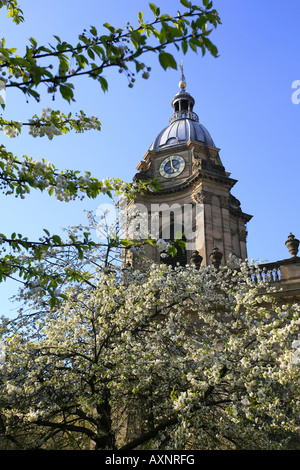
120 366
157 358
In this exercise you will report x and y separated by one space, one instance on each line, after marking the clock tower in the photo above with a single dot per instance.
194 201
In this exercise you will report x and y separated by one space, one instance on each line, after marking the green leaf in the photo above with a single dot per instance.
184 46
140 16
34 93
126 242
66 92
91 54
172 250
150 242
167 61
93 31
56 240
98 50
103 82
210 46
155 9
109 27
194 43
186 3
33 42
137 38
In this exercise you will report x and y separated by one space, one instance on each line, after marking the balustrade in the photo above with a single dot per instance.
269 273
183 114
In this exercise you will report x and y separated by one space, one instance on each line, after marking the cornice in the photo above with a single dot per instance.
191 180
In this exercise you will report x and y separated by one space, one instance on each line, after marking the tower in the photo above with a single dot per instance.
194 201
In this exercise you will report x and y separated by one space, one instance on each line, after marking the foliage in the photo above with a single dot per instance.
105 356
157 358
55 66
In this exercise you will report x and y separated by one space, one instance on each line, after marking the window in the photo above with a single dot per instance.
180 257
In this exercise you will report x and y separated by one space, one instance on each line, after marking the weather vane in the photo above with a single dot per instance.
182 83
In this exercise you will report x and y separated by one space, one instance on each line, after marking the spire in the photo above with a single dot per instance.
182 83
183 102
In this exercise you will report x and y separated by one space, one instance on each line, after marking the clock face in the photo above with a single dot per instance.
172 166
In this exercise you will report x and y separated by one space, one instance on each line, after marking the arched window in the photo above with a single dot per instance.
180 257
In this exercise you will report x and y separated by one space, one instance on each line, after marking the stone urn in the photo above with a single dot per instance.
216 257
196 260
292 244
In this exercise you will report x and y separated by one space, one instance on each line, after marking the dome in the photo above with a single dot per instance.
183 124
180 132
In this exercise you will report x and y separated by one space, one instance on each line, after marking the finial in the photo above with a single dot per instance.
182 83
216 257
292 244
196 260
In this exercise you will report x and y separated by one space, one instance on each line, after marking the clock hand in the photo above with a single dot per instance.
171 161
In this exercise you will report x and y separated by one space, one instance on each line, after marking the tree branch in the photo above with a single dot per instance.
150 434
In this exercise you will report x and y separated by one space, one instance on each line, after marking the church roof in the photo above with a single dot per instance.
183 124
181 131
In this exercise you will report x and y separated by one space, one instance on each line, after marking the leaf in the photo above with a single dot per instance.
109 27
137 38
98 50
34 93
194 43
56 239
155 9
167 61
80 253
172 250
184 46
126 242
186 3
93 31
33 42
140 16
91 54
210 46
66 92
52 301
103 82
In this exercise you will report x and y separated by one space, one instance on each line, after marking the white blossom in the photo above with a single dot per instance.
194 348
162 245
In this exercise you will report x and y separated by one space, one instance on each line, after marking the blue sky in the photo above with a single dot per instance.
243 98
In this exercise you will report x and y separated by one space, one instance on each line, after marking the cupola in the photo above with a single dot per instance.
183 123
